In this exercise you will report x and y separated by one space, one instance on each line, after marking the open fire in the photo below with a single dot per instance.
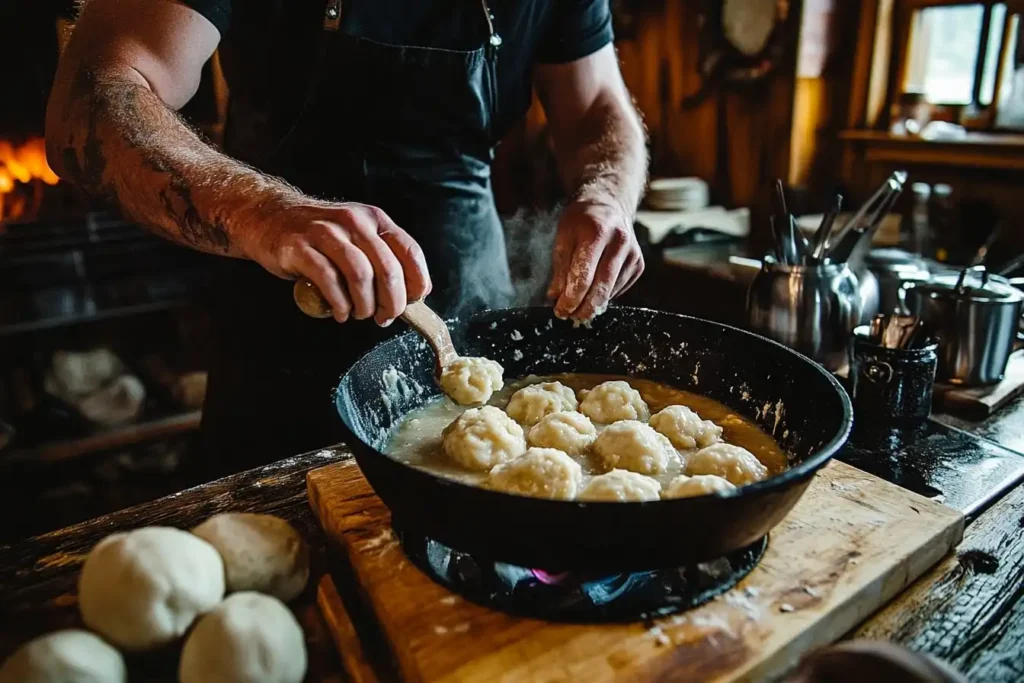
24 174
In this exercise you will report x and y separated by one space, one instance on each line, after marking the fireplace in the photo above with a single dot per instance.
24 179
82 287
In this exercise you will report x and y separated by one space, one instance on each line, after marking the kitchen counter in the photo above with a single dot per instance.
968 610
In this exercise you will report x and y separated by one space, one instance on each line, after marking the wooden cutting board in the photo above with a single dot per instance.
851 543
980 402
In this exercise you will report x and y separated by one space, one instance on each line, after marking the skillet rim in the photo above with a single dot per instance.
803 470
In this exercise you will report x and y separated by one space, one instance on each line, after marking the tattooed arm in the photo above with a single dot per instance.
112 130
602 157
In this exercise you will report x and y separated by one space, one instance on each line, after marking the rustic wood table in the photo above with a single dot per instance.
968 610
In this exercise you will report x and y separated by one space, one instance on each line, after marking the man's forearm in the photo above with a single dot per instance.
607 157
120 143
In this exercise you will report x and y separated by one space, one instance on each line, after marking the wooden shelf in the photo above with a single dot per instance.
999 151
115 437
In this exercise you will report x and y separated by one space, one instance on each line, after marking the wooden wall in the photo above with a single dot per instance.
822 93
740 139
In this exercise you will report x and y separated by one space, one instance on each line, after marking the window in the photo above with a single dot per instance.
958 54
943 54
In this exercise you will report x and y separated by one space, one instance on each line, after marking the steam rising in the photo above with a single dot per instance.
529 239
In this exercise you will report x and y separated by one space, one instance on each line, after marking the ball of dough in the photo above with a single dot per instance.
261 553
567 431
541 473
144 588
736 464
71 656
700 485
531 404
610 402
621 486
685 428
249 638
634 446
481 438
471 381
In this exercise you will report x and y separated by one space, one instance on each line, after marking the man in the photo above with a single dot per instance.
360 135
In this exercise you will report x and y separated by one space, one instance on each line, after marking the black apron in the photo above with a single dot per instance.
408 129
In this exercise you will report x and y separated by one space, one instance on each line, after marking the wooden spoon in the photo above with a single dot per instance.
417 314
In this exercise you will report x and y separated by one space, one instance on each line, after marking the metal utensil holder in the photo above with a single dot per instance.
811 309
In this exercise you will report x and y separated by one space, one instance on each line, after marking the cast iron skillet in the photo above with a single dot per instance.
788 395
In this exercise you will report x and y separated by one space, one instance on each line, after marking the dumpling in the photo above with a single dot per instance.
471 381
610 402
634 446
481 438
685 428
700 485
540 473
529 405
567 431
621 486
736 464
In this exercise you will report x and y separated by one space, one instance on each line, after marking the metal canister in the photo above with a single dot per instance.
811 309
891 385
976 317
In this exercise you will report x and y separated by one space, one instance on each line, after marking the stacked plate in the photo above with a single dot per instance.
677 194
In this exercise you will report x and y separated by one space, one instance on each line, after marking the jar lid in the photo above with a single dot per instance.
988 289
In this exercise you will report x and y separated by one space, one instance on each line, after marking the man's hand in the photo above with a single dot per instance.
599 147
111 128
596 258
362 262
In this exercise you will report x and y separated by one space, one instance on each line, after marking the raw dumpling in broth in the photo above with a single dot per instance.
540 473
736 464
700 485
685 428
612 401
531 404
634 446
567 431
471 381
481 438
621 486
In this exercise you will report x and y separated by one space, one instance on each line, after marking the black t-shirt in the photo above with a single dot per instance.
269 43
545 31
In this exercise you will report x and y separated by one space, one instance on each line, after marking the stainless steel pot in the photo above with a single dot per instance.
811 309
894 269
976 317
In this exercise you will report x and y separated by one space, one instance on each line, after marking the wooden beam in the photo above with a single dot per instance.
861 75
880 84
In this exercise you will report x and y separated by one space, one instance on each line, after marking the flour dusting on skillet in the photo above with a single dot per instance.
398 387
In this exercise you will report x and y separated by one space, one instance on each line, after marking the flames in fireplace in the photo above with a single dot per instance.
24 174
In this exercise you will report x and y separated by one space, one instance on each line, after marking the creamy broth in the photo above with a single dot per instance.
416 440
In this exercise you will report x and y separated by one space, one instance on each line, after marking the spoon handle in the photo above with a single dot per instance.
417 314
424 320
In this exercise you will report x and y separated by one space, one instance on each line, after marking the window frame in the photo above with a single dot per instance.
902 27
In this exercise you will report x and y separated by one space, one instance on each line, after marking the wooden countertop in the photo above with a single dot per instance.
969 610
